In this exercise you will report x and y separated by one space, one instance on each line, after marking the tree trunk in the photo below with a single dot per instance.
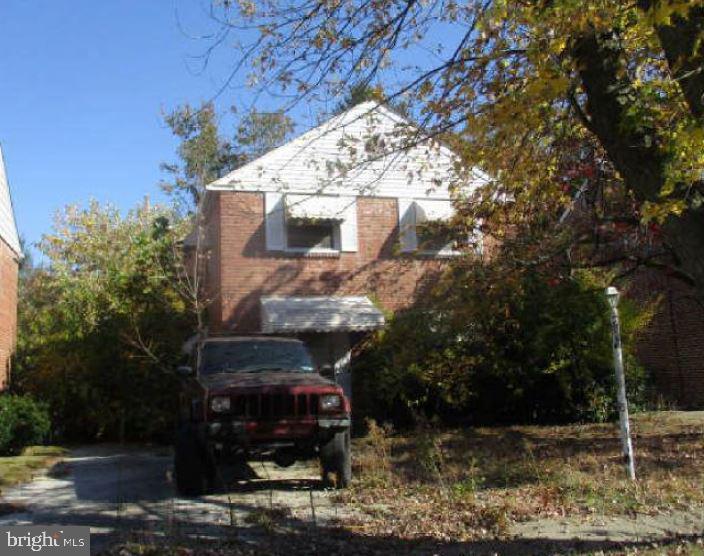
684 50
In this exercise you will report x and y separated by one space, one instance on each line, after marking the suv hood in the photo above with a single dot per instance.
264 379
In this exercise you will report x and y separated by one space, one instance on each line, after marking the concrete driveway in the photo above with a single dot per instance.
127 489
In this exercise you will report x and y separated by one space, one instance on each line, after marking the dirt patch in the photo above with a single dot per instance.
647 528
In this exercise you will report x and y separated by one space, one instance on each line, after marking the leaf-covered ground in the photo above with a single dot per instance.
473 484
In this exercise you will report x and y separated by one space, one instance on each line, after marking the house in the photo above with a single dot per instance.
10 256
323 236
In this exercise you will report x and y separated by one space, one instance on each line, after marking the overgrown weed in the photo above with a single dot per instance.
429 453
372 464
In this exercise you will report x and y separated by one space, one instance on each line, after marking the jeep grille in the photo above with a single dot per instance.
274 406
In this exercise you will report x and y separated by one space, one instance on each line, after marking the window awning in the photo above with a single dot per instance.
317 207
433 210
319 314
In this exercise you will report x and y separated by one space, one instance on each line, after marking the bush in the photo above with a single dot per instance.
101 325
23 422
494 348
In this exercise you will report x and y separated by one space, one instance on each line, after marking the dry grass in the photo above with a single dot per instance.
464 485
20 469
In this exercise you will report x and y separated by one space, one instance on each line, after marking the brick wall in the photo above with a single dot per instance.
8 310
248 271
242 270
671 346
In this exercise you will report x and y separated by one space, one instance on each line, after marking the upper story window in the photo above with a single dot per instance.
323 224
424 228
306 234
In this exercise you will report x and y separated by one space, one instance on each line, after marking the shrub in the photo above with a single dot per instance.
494 348
23 422
101 325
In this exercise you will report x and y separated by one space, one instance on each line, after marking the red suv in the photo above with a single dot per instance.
258 398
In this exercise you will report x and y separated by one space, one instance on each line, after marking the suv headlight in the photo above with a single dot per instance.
329 402
220 404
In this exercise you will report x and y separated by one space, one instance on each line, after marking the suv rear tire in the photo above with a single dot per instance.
190 464
336 459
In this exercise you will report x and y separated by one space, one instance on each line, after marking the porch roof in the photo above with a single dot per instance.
319 314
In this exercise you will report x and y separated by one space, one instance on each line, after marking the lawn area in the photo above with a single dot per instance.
19 469
475 483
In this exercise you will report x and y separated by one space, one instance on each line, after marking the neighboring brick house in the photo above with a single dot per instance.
10 255
309 240
671 345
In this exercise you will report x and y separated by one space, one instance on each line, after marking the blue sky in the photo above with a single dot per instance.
83 86
82 89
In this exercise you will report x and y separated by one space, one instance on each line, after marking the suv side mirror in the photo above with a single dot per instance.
184 371
327 371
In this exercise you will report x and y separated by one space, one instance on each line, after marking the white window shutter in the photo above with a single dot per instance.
407 225
348 227
275 225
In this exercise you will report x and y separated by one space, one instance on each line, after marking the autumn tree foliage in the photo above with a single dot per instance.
101 323
207 152
517 87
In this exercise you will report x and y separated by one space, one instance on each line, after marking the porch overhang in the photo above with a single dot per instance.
319 314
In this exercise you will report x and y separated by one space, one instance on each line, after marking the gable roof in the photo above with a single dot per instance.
8 228
363 151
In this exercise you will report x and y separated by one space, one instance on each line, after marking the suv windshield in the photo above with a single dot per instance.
251 356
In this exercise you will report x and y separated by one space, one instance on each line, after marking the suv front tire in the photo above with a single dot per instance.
191 467
336 460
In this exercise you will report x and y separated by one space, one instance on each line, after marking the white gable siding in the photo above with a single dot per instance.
333 159
8 228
